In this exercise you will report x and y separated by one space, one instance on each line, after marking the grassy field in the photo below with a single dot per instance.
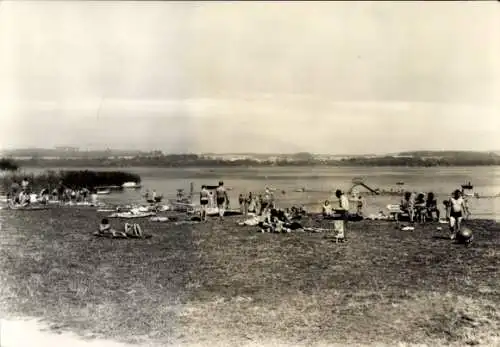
221 284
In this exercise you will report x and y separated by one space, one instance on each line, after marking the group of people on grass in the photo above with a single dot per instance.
248 204
256 204
23 194
421 209
269 218
275 220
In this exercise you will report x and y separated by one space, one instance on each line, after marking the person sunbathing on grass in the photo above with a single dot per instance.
105 229
131 230
276 222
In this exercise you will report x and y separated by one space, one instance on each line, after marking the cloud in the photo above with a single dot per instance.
329 77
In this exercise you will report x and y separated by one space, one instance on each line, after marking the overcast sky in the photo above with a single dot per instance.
326 77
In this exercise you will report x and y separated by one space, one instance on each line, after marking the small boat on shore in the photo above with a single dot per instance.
131 185
103 191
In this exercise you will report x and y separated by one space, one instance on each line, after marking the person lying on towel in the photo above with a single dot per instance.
131 230
105 229
277 222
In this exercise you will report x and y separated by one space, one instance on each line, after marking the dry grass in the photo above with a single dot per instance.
222 283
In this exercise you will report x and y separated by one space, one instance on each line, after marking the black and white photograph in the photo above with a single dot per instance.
249 173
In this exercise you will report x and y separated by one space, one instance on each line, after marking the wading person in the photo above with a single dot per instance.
455 212
204 197
222 199
343 210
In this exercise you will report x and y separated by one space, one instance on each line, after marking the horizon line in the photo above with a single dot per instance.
242 152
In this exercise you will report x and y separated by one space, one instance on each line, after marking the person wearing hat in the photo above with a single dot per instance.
343 210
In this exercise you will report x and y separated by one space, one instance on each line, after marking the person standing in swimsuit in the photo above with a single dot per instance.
251 203
241 201
222 199
204 197
455 212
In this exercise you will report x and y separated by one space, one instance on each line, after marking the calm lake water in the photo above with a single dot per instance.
322 180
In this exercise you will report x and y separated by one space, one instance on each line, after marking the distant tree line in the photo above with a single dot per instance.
299 159
7 164
69 179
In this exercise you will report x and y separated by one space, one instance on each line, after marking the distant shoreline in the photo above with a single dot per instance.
78 159
124 164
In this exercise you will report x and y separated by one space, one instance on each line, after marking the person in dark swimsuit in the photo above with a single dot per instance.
241 201
431 206
455 213
204 197
221 199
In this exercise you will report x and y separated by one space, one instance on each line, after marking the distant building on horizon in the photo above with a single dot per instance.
67 148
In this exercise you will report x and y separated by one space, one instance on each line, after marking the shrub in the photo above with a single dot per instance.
8 165
70 179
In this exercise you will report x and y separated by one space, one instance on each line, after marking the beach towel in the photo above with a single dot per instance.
164 208
130 215
215 212
120 236
378 217
316 230
394 208
250 222
159 219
